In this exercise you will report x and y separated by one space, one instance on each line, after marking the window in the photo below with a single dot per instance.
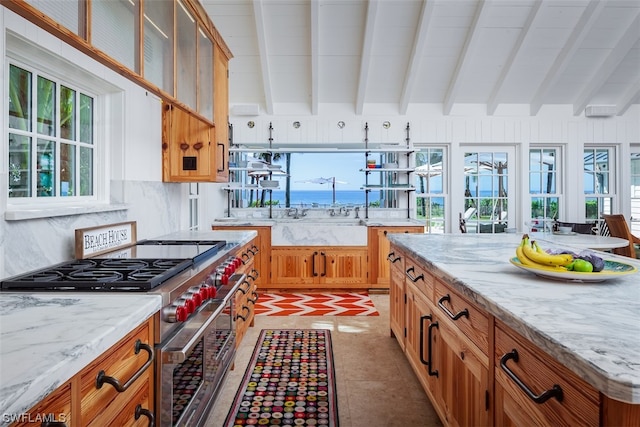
51 137
430 198
598 191
635 190
543 183
486 189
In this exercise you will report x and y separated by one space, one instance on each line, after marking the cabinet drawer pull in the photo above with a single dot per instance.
464 312
53 424
422 319
432 372
245 258
198 145
313 264
411 276
142 412
253 275
253 300
223 162
102 377
255 249
555 391
244 291
324 267
240 316
393 258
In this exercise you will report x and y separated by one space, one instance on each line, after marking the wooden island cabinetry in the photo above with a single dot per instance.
246 295
478 371
91 397
305 267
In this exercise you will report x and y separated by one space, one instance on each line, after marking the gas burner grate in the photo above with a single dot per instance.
109 274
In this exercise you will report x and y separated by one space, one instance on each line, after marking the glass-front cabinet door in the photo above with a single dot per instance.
186 76
158 43
205 75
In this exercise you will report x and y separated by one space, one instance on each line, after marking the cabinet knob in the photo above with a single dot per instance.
198 145
184 146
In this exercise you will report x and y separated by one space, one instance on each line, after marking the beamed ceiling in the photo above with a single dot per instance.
302 54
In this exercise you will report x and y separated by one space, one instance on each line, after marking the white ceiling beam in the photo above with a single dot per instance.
367 48
419 43
607 68
631 96
263 49
315 52
580 31
470 47
518 50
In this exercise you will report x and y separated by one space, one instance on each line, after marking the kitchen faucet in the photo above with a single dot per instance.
292 212
357 211
344 211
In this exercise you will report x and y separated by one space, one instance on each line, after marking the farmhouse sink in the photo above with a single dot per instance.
307 231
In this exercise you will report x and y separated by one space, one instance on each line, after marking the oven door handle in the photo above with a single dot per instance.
173 355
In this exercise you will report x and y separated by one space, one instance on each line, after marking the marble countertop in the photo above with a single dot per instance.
370 222
591 328
48 337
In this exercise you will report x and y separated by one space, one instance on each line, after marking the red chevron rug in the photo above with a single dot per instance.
316 304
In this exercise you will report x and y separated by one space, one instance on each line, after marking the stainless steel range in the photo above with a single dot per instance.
196 338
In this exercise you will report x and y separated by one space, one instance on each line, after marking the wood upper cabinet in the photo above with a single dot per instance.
379 248
310 266
221 114
188 154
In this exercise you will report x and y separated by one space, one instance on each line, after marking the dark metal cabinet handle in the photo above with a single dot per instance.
464 312
413 278
254 299
253 275
53 424
240 316
223 162
245 258
142 412
393 258
244 291
422 319
313 263
432 372
255 249
324 259
555 391
102 377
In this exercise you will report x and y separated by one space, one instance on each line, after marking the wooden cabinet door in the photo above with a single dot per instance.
187 152
462 384
262 242
221 114
397 305
344 266
418 316
293 267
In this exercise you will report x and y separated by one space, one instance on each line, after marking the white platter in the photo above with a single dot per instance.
612 270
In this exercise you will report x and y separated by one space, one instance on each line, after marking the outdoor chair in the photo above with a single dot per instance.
618 227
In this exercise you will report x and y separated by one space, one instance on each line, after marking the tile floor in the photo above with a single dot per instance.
375 383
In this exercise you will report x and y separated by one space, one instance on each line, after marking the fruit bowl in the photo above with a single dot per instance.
612 270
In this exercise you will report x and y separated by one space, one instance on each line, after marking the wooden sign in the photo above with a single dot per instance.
94 241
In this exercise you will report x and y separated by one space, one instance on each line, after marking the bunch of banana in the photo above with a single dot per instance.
531 254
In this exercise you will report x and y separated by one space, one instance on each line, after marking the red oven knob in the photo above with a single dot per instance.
212 292
187 303
195 298
229 269
237 261
174 313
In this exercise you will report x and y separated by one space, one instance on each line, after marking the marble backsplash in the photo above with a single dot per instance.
37 243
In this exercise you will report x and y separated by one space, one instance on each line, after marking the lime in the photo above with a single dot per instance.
582 266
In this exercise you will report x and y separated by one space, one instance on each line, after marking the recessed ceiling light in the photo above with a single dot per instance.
296 125
251 124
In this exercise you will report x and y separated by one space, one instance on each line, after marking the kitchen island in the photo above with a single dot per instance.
591 329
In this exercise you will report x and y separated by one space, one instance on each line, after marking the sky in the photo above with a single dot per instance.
306 166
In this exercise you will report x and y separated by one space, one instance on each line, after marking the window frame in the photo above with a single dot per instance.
559 184
429 196
612 194
57 139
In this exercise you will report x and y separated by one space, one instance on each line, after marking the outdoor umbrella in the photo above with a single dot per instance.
321 180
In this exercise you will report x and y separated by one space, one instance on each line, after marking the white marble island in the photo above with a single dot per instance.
46 338
592 329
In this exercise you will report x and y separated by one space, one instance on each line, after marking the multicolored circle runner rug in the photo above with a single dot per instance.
290 381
